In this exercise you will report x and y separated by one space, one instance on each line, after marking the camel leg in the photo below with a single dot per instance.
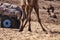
22 27
39 20
29 9
29 18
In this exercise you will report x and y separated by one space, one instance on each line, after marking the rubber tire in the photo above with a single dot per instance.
14 22
6 22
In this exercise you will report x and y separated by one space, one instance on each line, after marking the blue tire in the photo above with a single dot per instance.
7 23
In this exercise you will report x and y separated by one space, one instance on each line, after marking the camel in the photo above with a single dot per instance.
32 4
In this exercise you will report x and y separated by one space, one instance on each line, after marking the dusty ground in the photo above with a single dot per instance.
37 33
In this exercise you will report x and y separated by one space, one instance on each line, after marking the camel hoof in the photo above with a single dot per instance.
30 30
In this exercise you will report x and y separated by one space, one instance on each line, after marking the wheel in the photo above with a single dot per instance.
6 23
9 22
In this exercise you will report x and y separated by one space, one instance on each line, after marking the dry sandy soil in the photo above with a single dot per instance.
37 33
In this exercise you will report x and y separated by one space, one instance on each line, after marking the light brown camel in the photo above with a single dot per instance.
32 4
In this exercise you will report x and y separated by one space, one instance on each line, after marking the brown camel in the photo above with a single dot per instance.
32 4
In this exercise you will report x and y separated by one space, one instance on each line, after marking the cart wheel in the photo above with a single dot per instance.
6 23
